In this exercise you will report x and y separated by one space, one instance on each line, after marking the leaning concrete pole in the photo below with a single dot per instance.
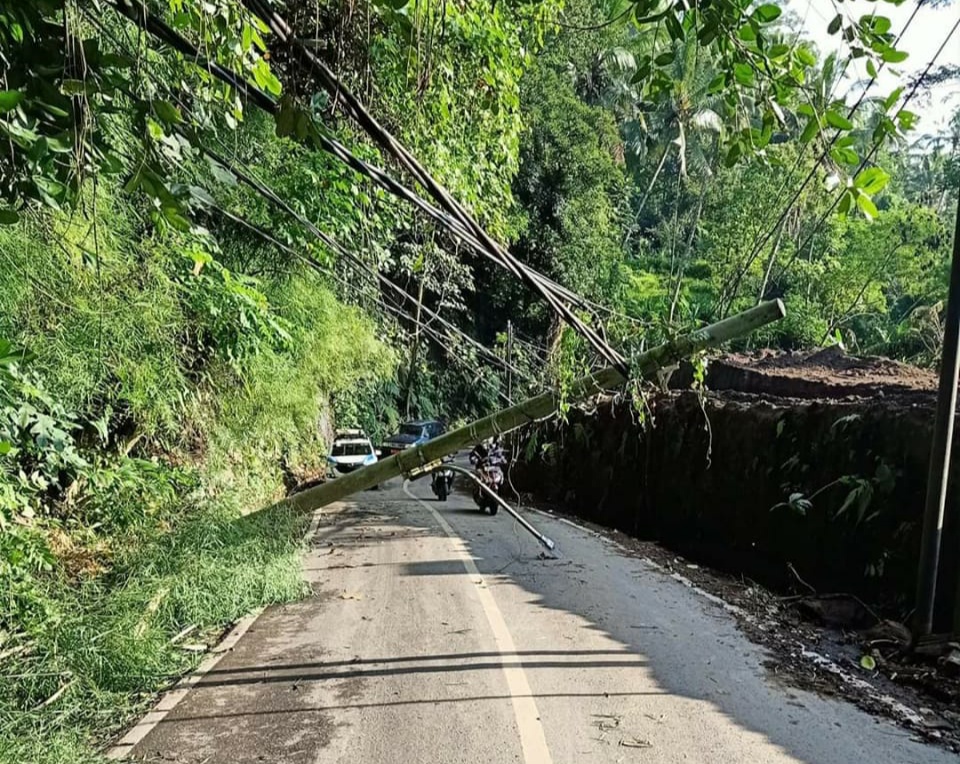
536 408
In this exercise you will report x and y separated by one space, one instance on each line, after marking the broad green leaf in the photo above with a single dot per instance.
708 31
9 217
733 155
872 180
61 144
844 155
893 56
5 447
891 99
117 61
834 26
9 99
674 27
868 662
643 71
155 129
837 120
806 56
906 120
272 84
167 112
879 24
871 68
111 165
747 33
743 73
866 206
767 13
845 202
806 110
810 131
665 58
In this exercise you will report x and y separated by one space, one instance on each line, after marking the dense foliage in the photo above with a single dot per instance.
177 344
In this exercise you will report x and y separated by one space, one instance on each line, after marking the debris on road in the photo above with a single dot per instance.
817 643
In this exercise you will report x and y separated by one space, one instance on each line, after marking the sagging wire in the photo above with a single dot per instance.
271 196
761 242
456 219
873 150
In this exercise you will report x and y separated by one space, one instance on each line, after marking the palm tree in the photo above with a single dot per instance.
687 119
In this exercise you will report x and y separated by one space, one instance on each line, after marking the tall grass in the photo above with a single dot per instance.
125 334
108 639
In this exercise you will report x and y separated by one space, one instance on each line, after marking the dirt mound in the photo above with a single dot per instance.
822 374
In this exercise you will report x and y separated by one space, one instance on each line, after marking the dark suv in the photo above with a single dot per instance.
413 434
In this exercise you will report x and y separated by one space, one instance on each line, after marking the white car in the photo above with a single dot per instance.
351 450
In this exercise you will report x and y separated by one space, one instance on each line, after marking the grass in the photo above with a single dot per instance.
108 639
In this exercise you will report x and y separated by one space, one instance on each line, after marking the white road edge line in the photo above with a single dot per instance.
172 698
533 741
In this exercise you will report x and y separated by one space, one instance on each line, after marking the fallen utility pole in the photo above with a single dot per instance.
536 408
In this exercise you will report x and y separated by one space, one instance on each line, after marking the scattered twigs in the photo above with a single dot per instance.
798 577
183 634
57 695
12 652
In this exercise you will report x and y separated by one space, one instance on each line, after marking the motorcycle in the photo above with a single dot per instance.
442 481
489 473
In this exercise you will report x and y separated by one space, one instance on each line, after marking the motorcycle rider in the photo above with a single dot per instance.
490 452
479 452
441 480
490 460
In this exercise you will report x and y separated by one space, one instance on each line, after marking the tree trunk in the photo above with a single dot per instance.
688 247
770 262
414 350
653 181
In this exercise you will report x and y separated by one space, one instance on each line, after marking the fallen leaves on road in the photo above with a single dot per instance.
351 596
636 742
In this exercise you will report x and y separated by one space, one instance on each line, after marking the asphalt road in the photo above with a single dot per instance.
437 634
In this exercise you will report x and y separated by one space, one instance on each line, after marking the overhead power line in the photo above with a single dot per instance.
453 217
759 243
351 257
873 150
354 260
320 268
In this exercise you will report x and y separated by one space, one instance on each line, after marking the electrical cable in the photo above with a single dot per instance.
456 219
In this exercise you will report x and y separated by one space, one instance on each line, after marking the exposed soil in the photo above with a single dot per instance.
823 374
811 648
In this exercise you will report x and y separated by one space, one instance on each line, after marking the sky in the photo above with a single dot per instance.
921 40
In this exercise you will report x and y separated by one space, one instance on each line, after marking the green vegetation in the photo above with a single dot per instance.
160 402
176 348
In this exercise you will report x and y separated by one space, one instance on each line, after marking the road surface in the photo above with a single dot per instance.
437 634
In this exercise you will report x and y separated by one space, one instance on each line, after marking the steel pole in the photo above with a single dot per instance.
545 541
938 474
